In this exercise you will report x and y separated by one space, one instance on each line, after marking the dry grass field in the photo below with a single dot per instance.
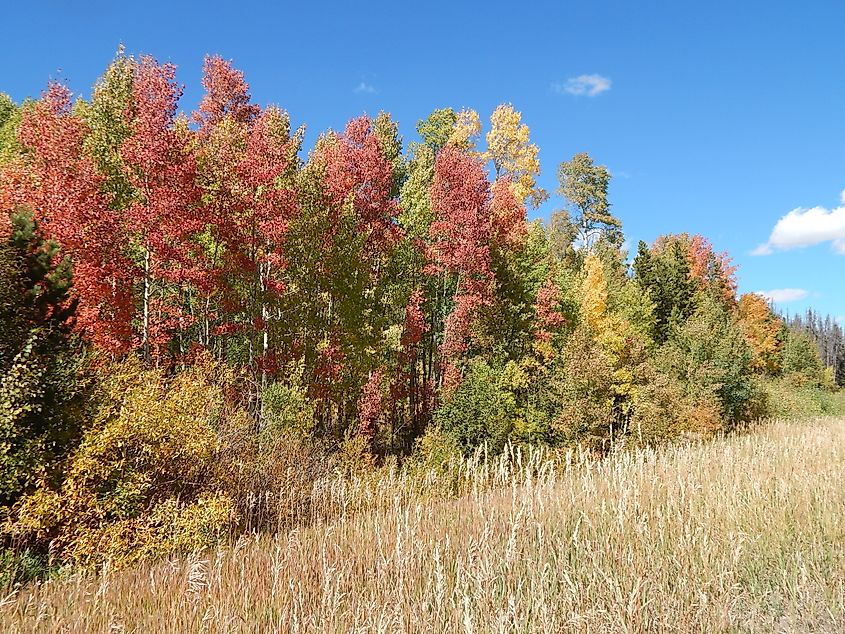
745 534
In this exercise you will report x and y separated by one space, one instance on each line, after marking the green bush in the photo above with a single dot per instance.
481 410
18 567
785 399
711 357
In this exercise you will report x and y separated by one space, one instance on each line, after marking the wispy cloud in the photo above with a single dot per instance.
782 295
365 88
583 85
803 227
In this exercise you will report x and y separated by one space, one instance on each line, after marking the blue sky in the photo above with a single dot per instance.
715 118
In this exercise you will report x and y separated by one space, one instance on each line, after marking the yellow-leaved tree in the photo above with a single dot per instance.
467 128
611 331
763 330
513 155
594 295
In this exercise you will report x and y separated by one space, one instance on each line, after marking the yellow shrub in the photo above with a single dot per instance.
143 479
182 528
354 457
662 412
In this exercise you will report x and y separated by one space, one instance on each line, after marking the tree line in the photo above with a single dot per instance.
187 302
828 336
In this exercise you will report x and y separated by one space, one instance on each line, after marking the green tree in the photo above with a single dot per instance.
562 234
41 398
711 356
508 323
108 116
584 185
436 129
10 118
387 132
801 361
665 276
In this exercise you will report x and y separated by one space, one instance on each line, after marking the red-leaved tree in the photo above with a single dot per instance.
166 211
460 233
248 160
353 224
61 186
712 269
358 172
549 318
507 217
226 96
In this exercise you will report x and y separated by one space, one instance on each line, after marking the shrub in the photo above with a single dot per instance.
577 392
711 357
270 475
662 411
435 449
353 457
287 410
786 399
481 410
272 481
144 467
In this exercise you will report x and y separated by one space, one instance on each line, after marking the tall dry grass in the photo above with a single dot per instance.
746 534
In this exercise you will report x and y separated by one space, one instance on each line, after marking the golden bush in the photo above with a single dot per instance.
142 480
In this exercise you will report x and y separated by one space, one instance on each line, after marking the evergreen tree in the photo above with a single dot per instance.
41 401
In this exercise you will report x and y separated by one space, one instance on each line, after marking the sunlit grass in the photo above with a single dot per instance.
744 534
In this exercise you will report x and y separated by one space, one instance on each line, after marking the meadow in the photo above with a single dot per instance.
740 534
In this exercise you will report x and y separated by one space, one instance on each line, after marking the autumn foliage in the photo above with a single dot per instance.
230 303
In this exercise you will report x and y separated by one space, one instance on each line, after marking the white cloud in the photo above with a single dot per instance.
364 87
781 295
806 227
583 85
